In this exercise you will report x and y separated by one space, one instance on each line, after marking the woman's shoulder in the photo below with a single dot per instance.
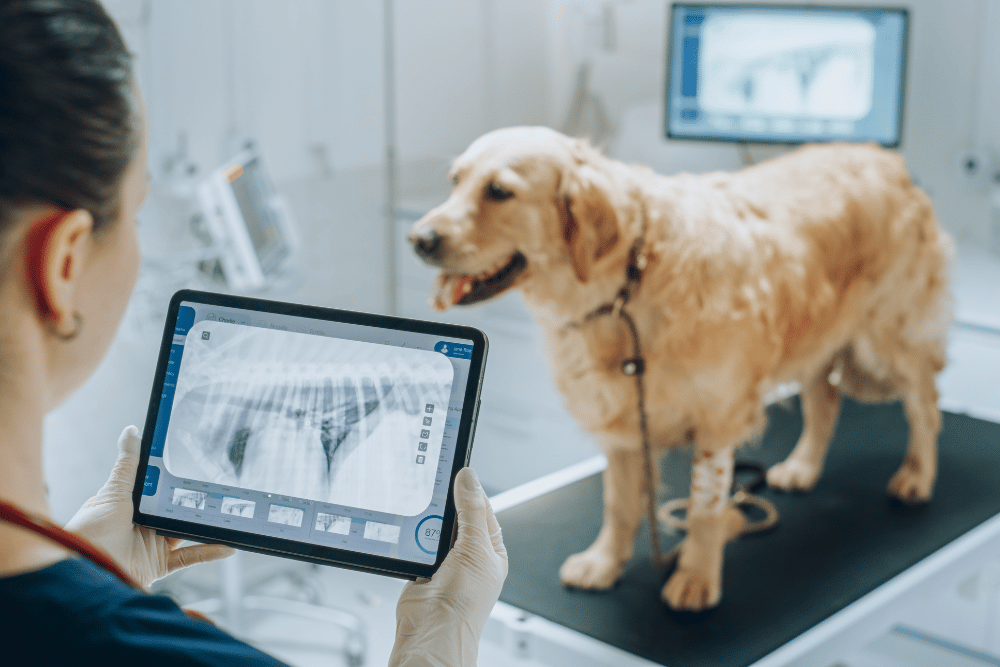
73 608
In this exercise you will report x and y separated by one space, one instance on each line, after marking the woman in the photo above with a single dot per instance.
72 176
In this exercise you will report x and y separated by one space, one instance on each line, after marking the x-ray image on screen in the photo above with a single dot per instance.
821 67
190 498
786 73
238 507
288 516
325 419
333 523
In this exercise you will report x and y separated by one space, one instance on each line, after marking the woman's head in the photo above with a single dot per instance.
72 176
67 108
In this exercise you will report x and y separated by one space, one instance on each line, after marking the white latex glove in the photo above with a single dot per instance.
106 520
439 621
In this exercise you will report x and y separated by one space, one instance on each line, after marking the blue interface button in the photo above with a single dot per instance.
152 479
456 350
428 533
689 66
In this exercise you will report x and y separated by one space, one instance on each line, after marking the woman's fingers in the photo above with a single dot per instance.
496 535
470 500
119 485
197 553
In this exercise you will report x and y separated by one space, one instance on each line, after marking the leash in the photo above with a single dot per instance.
635 366
12 514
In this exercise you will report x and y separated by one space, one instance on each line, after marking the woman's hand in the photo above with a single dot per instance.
439 621
106 520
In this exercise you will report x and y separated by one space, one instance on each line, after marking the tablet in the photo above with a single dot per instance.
316 434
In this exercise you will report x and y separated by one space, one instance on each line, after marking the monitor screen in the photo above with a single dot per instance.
253 193
786 74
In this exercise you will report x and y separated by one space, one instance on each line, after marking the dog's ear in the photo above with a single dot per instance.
590 222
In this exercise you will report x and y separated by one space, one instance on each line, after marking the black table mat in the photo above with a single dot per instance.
833 545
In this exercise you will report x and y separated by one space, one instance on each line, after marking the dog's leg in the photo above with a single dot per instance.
820 407
914 481
697 583
600 566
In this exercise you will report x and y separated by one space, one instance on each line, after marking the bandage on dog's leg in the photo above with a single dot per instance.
711 522
820 408
711 479
600 566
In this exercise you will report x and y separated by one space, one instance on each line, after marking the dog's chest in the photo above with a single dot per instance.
587 367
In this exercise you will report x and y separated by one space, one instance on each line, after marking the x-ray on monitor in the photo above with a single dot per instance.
786 74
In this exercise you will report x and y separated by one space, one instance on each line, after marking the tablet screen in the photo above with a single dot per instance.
322 432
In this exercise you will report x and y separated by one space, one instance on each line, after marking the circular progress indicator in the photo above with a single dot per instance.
428 533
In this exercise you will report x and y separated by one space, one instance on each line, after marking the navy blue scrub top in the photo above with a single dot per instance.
74 613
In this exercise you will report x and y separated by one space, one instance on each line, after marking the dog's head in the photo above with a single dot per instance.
528 203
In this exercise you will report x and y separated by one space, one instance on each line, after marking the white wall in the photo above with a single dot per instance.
305 78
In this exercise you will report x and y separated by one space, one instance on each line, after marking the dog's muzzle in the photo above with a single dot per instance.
427 244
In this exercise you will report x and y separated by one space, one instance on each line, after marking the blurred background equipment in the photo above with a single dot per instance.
248 224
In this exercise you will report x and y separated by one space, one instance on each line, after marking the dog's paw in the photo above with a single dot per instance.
591 570
690 589
910 485
793 475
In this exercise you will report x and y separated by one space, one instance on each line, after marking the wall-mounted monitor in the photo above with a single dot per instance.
786 73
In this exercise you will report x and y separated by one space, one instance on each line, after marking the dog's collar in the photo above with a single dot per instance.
638 260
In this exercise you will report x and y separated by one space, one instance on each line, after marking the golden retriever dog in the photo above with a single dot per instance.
824 267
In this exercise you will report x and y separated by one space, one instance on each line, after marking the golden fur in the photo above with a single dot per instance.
824 266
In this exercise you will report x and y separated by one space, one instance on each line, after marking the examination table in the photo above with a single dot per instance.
840 556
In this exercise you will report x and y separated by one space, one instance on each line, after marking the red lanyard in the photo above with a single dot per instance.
11 513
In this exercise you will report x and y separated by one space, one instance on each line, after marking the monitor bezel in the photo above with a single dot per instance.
293 549
668 79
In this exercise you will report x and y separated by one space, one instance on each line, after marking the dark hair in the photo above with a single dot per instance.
67 122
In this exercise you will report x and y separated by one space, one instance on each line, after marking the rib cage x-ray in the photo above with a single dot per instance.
313 417
190 498
333 523
820 67
238 507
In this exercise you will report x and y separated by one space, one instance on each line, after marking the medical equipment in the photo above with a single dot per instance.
786 73
335 435
248 223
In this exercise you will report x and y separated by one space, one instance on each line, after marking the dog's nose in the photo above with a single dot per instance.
427 244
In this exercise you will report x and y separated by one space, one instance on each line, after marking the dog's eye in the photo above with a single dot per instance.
497 193
454 179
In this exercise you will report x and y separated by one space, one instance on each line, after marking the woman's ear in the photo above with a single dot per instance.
590 222
56 248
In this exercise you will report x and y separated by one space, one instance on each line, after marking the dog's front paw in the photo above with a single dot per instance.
793 475
690 589
591 569
911 485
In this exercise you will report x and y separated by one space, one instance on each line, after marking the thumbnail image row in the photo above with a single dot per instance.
289 516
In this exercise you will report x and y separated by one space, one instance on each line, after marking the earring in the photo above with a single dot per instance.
77 326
